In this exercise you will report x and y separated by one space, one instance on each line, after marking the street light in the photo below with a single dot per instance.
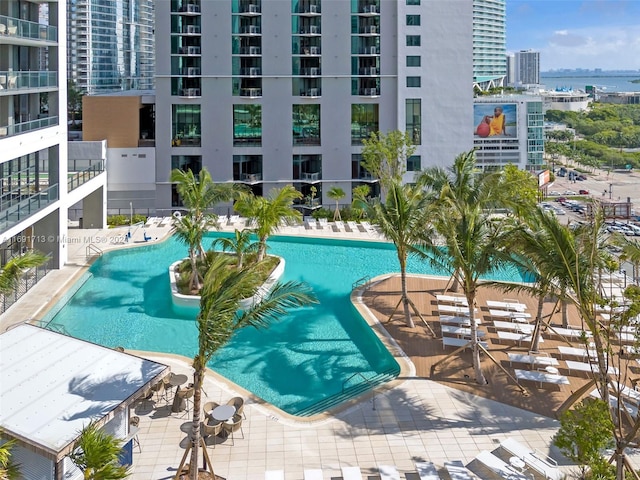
610 190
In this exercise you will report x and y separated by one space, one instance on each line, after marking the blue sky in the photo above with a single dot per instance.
577 34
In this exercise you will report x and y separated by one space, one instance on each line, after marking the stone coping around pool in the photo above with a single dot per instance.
193 301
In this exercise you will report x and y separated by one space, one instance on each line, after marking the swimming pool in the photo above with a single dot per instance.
296 364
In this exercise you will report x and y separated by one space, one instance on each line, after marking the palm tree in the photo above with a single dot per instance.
630 253
189 231
241 245
220 317
268 212
97 454
337 194
402 219
13 269
361 192
474 241
8 469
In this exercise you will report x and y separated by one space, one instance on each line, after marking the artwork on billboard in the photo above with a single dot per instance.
495 120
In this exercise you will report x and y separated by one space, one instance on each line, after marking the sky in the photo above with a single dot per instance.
577 33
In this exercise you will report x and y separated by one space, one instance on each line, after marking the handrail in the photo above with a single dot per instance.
366 380
361 281
93 248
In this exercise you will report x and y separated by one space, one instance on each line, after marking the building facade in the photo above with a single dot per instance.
520 138
37 185
489 43
527 67
111 44
278 92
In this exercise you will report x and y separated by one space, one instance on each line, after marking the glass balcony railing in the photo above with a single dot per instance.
23 80
16 210
14 27
18 128
79 176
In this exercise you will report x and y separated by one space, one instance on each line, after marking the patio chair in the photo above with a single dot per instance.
207 409
210 433
134 423
159 391
233 426
238 404
185 396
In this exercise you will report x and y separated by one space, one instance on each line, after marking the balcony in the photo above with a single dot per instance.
310 177
252 50
250 9
251 177
251 71
190 92
311 93
310 72
369 71
251 92
310 51
372 50
370 10
192 29
190 71
369 92
309 9
193 8
370 30
310 30
27 80
24 127
17 209
192 50
14 27
77 178
250 30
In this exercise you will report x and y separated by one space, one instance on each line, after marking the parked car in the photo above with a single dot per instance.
569 192
561 199
583 192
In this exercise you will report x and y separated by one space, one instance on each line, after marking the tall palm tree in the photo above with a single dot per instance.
630 253
220 317
359 193
240 244
8 469
337 194
269 212
474 240
190 232
97 455
402 219
13 269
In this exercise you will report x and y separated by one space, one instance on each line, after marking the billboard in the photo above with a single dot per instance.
497 120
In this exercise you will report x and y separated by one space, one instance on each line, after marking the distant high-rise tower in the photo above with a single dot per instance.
110 45
527 67
511 69
489 43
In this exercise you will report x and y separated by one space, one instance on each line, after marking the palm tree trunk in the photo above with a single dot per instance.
535 341
565 314
405 298
195 427
475 347
194 283
262 249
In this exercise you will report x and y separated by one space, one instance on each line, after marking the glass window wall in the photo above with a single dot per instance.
364 122
247 125
306 125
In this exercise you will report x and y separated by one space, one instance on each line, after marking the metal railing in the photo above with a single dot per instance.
11 26
14 212
18 80
93 250
25 283
18 128
360 282
82 177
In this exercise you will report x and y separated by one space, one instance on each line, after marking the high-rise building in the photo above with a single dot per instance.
271 93
36 184
511 69
527 67
489 43
111 44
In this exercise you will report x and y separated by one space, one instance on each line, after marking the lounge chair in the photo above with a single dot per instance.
370 229
513 326
570 333
454 330
427 471
541 377
576 352
322 223
351 473
533 360
313 474
274 475
514 306
457 471
339 226
539 462
310 223
388 472
353 227
517 316
499 467
516 337
588 367
459 342
461 311
454 299
458 320
233 219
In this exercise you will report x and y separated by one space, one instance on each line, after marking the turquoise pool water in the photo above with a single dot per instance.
303 359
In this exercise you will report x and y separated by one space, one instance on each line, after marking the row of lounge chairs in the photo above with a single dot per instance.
523 462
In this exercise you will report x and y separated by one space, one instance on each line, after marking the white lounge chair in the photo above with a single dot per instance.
233 219
453 330
459 342
570 333
576 352
613 401
388 472
370 229
454 299
513 306
588 367
339 226
351 473
533 360
517 316
352 226
454 309
513 326
499 467
313 474
541 377
274 475
457 471
427 471
516 337
323 222
458 320
539 462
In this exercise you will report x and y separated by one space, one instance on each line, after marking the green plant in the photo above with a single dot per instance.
97 454
117 220
8 469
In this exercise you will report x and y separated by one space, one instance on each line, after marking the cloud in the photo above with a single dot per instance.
563 38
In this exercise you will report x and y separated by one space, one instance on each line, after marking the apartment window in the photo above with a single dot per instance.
307 168
358 172
247 125
413 20
413 163
364 121
186 163
306 124
186 125
414 119
413 60
413 40
413 81
413 2
247 168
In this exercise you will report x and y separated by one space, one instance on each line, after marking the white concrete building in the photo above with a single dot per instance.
527 68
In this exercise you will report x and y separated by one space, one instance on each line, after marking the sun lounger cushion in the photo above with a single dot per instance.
457 471
499 467
351 473
313 474
274 475
427 471
541 377
388 472
542 464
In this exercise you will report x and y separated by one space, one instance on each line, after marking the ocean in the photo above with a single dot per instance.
604 82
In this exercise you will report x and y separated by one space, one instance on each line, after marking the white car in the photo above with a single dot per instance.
569 192
559 211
